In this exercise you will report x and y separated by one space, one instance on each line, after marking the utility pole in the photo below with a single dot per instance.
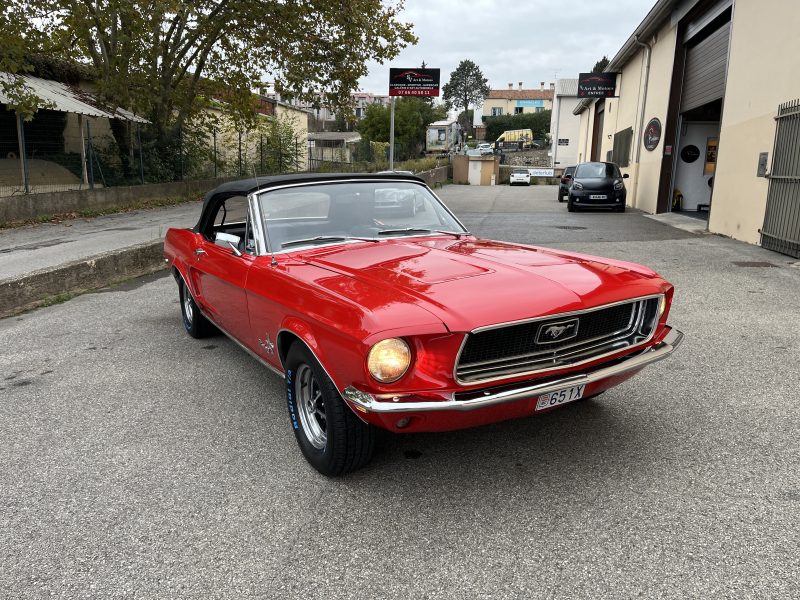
391 137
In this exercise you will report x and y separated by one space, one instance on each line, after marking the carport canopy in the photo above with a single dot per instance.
66 98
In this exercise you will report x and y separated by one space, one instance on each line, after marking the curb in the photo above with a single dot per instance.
36 289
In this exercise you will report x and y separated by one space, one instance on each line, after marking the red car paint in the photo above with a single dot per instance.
429 290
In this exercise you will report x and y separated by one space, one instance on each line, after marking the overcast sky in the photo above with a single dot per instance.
513 41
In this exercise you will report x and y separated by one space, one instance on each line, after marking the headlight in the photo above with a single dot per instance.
388 360
577 186
662 305
619 185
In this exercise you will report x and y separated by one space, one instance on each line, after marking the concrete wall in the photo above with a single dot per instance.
460 169
435 176
32 206
763 72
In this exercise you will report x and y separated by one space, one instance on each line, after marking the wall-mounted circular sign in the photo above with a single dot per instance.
690 153
652 134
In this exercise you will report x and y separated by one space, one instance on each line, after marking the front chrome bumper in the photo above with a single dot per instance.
368 403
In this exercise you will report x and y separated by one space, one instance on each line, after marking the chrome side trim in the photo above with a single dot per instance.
242 346
640 299
658 352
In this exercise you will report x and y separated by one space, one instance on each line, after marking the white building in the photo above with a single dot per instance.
564 125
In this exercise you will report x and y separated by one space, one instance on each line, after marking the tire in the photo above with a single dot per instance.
194 322
332 439
571 206
620 208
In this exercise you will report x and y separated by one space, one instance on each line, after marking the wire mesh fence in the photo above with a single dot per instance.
57 151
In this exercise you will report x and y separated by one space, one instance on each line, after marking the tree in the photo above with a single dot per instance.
165 59
600 65
467 86
538 122
411 118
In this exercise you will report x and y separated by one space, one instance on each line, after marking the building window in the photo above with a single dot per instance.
518 110
622 147
540 109
497 112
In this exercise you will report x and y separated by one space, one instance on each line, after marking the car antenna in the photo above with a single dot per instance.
273 262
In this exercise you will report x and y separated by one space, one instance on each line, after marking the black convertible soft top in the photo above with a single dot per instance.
243 187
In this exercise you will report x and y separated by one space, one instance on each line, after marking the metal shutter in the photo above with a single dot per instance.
706 67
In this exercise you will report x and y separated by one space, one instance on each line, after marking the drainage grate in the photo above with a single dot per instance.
753 263
569 227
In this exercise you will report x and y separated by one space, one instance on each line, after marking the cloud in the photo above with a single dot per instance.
529 41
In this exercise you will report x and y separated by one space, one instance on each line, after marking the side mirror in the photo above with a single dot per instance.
625 176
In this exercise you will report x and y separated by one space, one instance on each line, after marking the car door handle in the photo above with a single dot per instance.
199 251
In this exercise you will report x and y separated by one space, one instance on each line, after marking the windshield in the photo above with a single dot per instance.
319 214
596 170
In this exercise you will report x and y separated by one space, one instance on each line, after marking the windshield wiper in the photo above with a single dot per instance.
458 234
320 239
323 239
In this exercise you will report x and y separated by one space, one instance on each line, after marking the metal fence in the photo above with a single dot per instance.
781 230
56 152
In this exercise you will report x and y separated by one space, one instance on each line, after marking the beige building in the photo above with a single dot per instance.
564 124
517 101
697 122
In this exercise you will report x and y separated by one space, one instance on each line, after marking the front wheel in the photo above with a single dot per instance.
571 206
332 439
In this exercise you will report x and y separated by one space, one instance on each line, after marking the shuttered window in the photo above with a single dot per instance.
622 147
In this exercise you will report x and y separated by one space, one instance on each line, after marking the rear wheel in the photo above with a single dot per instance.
333 439
194 322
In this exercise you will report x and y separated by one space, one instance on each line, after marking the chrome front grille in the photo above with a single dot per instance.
532 346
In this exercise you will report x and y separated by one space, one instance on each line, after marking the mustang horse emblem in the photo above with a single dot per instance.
555 331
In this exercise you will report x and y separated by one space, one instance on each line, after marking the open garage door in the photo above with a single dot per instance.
705 70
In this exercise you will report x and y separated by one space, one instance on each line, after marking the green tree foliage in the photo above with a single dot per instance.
600 65
467 86
411 118
465 119
539 123
165 59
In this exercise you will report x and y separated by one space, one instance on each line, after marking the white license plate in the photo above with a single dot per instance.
560 397
597 197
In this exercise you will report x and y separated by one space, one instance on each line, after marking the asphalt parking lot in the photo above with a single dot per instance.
139 462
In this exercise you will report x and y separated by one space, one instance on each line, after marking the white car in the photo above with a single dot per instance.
485 148
520 177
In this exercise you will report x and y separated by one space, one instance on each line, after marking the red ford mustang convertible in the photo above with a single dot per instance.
381 310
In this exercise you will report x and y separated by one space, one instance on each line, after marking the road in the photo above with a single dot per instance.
138 462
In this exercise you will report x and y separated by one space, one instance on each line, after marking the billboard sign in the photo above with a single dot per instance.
413 82
597 85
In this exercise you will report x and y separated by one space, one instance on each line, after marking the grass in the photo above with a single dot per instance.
110 210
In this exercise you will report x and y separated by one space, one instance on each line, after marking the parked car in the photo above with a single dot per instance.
485 148
404 323
597 185
519 177
563 184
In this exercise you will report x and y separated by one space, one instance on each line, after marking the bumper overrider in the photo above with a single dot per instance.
493 397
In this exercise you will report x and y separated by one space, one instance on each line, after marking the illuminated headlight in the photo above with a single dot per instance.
389 360
619 185
577 186
662 305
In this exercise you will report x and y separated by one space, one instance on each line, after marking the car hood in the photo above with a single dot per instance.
597 183
472 283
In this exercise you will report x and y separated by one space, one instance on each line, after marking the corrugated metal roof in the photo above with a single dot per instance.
67 98
567 87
